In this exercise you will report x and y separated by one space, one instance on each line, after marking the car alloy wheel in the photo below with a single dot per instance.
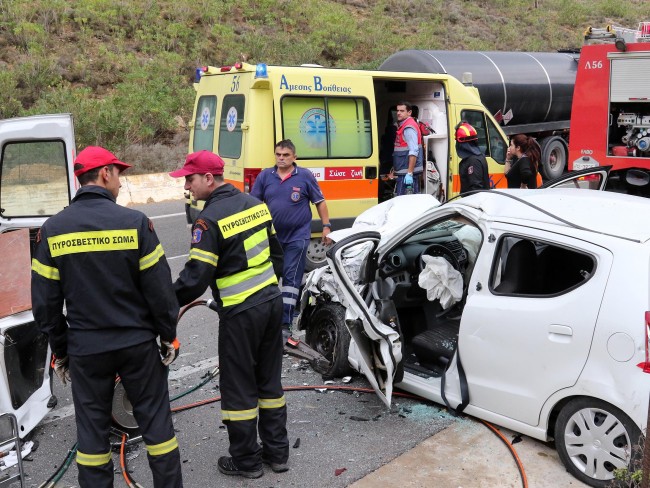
594 438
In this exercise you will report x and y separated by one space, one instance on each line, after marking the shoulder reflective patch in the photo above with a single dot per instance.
93 241
470 170
196 236
45 271
245 220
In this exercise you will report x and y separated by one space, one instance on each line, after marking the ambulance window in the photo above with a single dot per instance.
477 120
204 123
34 179
498 146
230 134
327 127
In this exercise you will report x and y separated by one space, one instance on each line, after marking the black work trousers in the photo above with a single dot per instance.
145 381
250 361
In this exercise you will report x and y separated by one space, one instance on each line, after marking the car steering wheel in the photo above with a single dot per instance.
438 250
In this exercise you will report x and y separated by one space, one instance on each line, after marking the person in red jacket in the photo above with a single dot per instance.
407 152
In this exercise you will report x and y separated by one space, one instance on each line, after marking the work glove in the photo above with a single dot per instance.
61 368
408 179
169 351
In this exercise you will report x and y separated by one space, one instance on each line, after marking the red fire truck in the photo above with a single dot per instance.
610 115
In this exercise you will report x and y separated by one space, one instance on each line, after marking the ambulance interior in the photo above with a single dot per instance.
428 100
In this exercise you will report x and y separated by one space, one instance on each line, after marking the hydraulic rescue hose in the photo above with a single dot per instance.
58 474
131 483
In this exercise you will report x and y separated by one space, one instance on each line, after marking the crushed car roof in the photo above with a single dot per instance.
609 213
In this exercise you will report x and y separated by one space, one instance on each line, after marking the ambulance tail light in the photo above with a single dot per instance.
250 174
645 366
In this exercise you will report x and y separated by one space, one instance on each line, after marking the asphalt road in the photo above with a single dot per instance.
337 436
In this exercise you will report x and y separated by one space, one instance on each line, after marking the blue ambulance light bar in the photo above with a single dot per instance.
261 71
198 72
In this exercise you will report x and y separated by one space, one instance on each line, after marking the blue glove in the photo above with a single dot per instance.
408 179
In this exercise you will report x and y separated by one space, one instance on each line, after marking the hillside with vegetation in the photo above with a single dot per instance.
125 68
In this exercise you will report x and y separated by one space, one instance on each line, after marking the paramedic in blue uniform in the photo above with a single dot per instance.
288 190
407 153
105 263
236 253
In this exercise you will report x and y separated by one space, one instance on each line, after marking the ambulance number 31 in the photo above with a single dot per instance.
594 65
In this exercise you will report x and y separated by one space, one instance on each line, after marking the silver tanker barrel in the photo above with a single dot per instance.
527 92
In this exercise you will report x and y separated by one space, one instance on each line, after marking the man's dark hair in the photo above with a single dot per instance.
286 143
406 104
90 176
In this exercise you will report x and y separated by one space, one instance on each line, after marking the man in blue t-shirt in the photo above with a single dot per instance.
287 190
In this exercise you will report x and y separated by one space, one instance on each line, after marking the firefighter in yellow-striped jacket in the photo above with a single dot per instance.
106 264
235 252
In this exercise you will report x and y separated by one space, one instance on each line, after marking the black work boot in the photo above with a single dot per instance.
276 467
227 466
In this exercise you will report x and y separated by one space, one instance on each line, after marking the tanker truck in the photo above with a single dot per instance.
526 92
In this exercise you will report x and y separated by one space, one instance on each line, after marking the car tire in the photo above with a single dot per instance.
554 157
592 454
327 334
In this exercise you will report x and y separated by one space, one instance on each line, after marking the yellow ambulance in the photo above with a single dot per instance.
339 121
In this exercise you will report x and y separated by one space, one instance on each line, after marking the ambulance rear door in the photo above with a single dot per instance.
221 120
330 117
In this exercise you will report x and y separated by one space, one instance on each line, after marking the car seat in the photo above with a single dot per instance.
520 271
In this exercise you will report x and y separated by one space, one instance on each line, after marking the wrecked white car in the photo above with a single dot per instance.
526 308
36 181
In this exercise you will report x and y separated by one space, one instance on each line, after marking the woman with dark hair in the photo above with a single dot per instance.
522 162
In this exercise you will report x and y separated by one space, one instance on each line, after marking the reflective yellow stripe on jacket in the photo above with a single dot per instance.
93 241
205 256
257 248
45 271
152 258
234 289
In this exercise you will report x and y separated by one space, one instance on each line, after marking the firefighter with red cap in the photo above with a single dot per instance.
105 264
473 167
236 253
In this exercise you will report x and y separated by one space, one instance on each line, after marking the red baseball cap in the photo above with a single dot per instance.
200 162
95 157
